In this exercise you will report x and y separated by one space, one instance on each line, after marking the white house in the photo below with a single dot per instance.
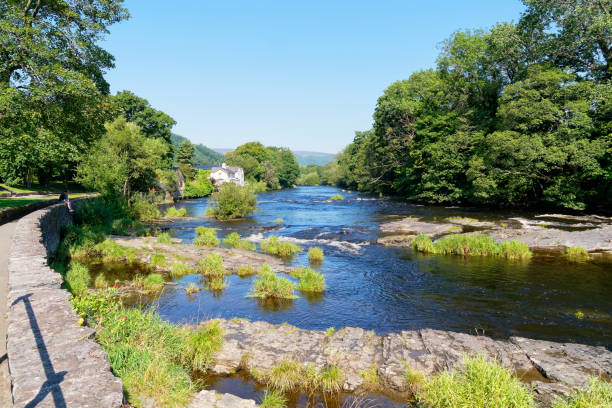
227 174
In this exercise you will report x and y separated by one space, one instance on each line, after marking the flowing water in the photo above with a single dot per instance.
389 289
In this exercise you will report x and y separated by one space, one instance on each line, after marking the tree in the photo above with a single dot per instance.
52 88
122 161
154 123
184 157
232 201
571 34
287 167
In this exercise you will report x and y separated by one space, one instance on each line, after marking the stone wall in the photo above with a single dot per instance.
53 361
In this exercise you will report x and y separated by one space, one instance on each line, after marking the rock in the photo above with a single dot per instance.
210 399
545 392
396 240
597 239
415 226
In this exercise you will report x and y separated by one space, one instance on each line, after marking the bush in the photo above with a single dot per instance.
269 285
232 201
77 279
274 246
233 240
200 186
173 212
598 394
212 265
154 282
315 255
144 206
164 238
122 225
206 237
311 281
577 254
479 383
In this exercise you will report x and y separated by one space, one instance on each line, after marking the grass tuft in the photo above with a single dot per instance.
192 288
271 286
201 344
273 399
212 265
371 380
278 221
158 260
164 238
100 282
472 245
415 380
315 255
179 269
577 254
285 376
311 281
479 383
337 197
153 282
173 212
597 395
77 279
206 237
274 246
233 240
245 270
423 243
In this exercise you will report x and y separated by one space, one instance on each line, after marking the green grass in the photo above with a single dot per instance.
597 395
201 344
577 254
472 245
173 212
311 281
53 187
212 266
289 375
77 279
153 282
192 288
216 283
315 255
371 380
164 238
278 221
274 246
479 383
330 379
269 285
337 197
206 237
100 282
18 202
158 260
329 331
179 269
246 270
273 399
285 376
233 240
415 380
110 251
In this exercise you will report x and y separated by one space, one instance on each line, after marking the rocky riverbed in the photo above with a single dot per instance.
544 232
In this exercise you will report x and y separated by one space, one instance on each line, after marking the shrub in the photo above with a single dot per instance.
337 197
153 281
144 206
233 240
232 201
576 254
311 281
192 288
200 186
164 238
273 399
269 285
212 265
201 344
245 270
206 237
423 243
77 279
479 383
173 212
274 246
122 225
598 394
315 255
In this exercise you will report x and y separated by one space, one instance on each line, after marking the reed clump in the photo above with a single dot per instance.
206 237
472 245
576 254
315 255
271 286
274 246
234 240
212 266
174 212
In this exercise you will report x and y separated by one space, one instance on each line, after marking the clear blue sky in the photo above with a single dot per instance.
301 74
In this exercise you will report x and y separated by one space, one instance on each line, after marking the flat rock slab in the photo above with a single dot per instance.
259 346
415 226
210 399
596 239
190 254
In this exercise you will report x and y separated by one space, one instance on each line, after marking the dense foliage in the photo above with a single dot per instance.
516 115
232 201
202 154
275 166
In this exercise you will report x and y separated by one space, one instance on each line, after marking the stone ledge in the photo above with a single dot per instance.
52 361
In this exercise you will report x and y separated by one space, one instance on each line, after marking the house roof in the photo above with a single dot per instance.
226 169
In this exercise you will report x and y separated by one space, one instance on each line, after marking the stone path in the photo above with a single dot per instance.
6 236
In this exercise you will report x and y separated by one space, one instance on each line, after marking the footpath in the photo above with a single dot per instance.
6 236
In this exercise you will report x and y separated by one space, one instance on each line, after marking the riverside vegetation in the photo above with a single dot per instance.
471 245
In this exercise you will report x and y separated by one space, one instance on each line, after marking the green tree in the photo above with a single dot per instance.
52 87
287 167
184 158
122 161
232 201
574 34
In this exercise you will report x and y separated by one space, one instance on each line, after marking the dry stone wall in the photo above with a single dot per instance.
53 361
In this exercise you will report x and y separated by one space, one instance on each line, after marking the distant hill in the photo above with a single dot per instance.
203 154
303 158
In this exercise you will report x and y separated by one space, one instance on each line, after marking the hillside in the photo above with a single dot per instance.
203 154
304 158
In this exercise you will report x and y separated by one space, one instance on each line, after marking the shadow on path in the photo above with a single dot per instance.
51 385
